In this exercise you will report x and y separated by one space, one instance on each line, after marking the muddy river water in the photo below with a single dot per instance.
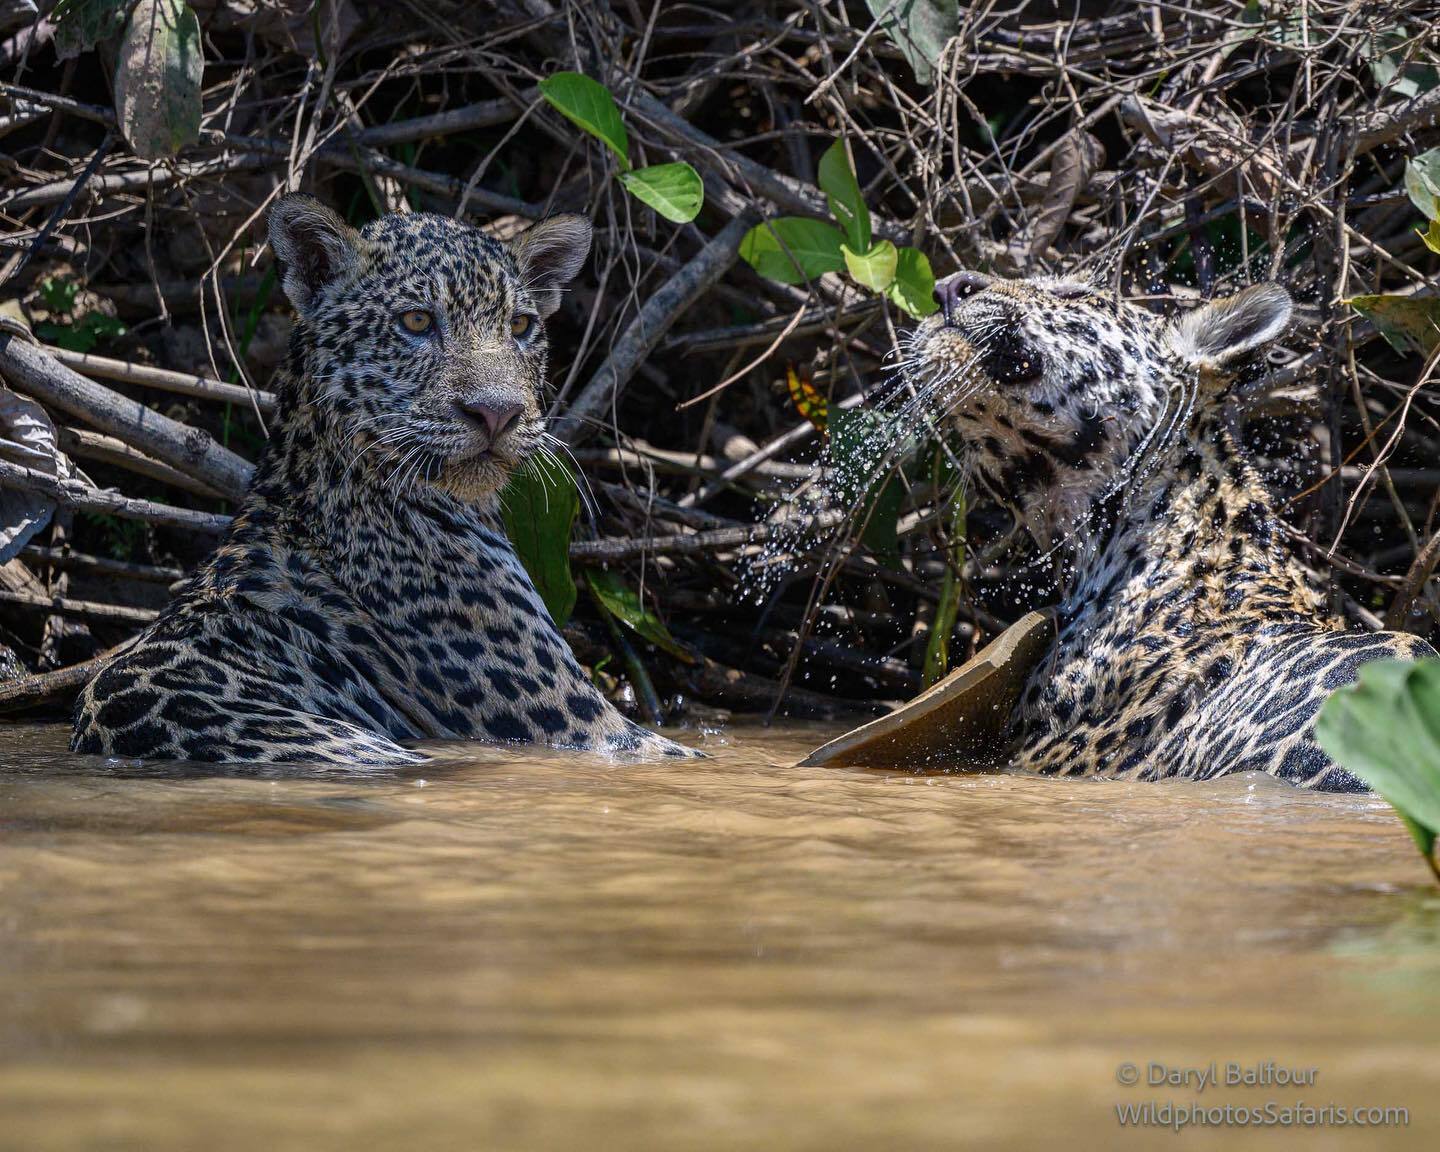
507 950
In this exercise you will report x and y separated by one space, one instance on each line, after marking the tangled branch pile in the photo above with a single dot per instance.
1172 150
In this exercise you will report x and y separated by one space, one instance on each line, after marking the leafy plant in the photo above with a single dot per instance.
539 506
1412 323
863 480
1386 729
1408 323
1422 182
624 603
675 190
947 609
59 293
84 334
794 249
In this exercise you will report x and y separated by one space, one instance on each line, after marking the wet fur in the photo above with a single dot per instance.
365 594
1191 642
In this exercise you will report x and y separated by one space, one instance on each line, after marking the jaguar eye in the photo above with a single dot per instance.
521 324
417 321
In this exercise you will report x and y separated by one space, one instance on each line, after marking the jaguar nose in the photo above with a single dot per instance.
960 286
496 419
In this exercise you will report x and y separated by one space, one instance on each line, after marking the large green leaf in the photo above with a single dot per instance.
842 193
914 286
81 24
919 29
793 249
874 269
673 190
1408 323
1386 729
588 104
1422 182
860 442
158 76
625 605
539 505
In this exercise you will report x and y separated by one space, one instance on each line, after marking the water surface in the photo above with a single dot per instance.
512 950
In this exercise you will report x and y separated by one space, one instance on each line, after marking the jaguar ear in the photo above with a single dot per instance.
1222 331
550 254
314 246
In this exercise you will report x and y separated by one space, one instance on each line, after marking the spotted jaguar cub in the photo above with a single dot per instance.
365 594
1191 643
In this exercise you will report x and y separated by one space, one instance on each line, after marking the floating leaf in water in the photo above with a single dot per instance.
914 286
1386 729
539 505
588 104
875 269
625 605
157 78
793 249
919 28
959 722
81 24
808 402
1408 323
673 190
842 193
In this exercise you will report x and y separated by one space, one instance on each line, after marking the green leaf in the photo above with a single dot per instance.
874 269
588 104
81 24
625 605
793 249
1408 323
1431 235
919 28
1388 65
842 193
59 293
158 76
1422 182
947 608
81 336
1386 729
539 505
673 190
914 286
859 447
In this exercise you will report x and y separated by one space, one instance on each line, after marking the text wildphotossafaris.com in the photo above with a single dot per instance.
1271 1114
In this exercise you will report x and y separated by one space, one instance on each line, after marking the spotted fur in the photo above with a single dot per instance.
1191 643
365 594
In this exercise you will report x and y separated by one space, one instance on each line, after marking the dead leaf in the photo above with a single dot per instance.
1077 158
27 438
157 78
